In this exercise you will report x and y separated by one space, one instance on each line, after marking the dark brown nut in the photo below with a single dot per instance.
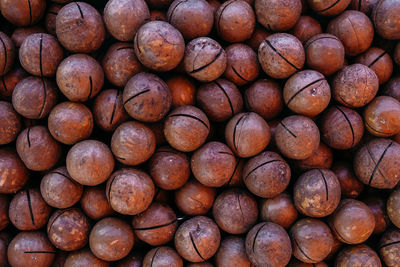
4 219
134 259
80 77
193 18
396 54
158 15
392 88
341 127
34 97
267 174
296 263
10 123
236 179
316 193
378 208
350 186
379 61
247 134
352 222
197 239
193 198
147 97
21 33
40 54
322 158
279 210
354 29
155 226
111 239
376 163
5 239
94 203
281 55
28 210
169 168
242 65
70 122
80 28
159 46
382 115
13 173
307 93
205 59
50 18
389 246
120 64
124 17
59 190
90 162
277 16
257 37
232 252
235 21
162 257
385 16
68 229
264 97
328 8
360 255
200 264
9 81
21 12
182 90
355 85
393 207
31 249
235 211
133 143
82 258
297 137
312 240
186 128
325 53
7 53
268 244
365 6
305 28
37 149
130 191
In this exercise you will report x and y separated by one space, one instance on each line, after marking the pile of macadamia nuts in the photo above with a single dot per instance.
200 133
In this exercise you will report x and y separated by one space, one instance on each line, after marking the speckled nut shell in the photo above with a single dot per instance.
365 6
385 16
186 128
9 81
322 158
379 61
28 211
281 55
124 17
350 186
277 16
34 97
84 257
279 210
80 77
316 193
354 29
268 244
31 249
297 137
162 257
205 59
159 46
328 8
59 190
80 28
360 255
341 127
155 226
37 149
94 203
257 37
111 239
305 28
352 222
247 134
324 53
120 64
193 18
232 252
197 239
182 90
68 229
21 12
382 115
130 191
389 247
377 163
40 54
13 173
90 162
146 97
20 34
267 174
7 53
393 207
355 85
10 123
